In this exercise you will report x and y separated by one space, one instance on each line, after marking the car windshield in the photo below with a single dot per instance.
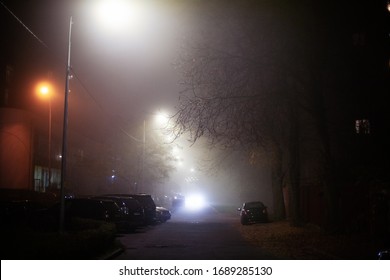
146 200
131 203
257 204
111 206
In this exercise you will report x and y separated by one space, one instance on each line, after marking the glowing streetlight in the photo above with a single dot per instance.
45 89
119 14
162 118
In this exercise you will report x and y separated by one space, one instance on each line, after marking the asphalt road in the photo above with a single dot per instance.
190 235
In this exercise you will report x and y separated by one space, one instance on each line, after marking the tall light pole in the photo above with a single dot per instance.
120 7
65 131
45 91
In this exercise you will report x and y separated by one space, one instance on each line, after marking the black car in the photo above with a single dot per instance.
147 203
162 214
253 212
86 208
130 208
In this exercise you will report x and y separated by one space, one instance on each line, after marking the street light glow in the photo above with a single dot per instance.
43 89
162 118
119 14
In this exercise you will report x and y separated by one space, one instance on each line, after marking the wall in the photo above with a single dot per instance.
16 139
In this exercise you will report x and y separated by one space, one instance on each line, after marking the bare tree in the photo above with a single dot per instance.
235 93
254 80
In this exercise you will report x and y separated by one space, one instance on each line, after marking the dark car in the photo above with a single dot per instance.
253 212
130 208
147 203
86 208
162 214
112 209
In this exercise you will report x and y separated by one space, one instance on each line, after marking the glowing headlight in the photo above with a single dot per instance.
195 202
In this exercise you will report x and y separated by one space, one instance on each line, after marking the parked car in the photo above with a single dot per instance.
253 212
93 209
114 213
162 214
147 203
130 208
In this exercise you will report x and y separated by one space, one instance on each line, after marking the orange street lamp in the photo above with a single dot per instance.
45 90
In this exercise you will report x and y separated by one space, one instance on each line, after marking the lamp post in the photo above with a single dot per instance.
65 131
115 7
44 90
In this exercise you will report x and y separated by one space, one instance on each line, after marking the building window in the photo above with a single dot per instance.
362 126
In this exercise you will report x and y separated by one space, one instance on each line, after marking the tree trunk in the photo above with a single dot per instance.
328 167
294 168
277 185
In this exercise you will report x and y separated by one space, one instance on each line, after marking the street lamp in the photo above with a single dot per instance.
160 118
65 130
120 5
44 90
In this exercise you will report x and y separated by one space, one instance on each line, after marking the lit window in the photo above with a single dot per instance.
362 126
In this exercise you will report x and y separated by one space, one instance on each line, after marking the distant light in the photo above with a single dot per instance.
162 118
195 202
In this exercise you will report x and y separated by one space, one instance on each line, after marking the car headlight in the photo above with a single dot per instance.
195 202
